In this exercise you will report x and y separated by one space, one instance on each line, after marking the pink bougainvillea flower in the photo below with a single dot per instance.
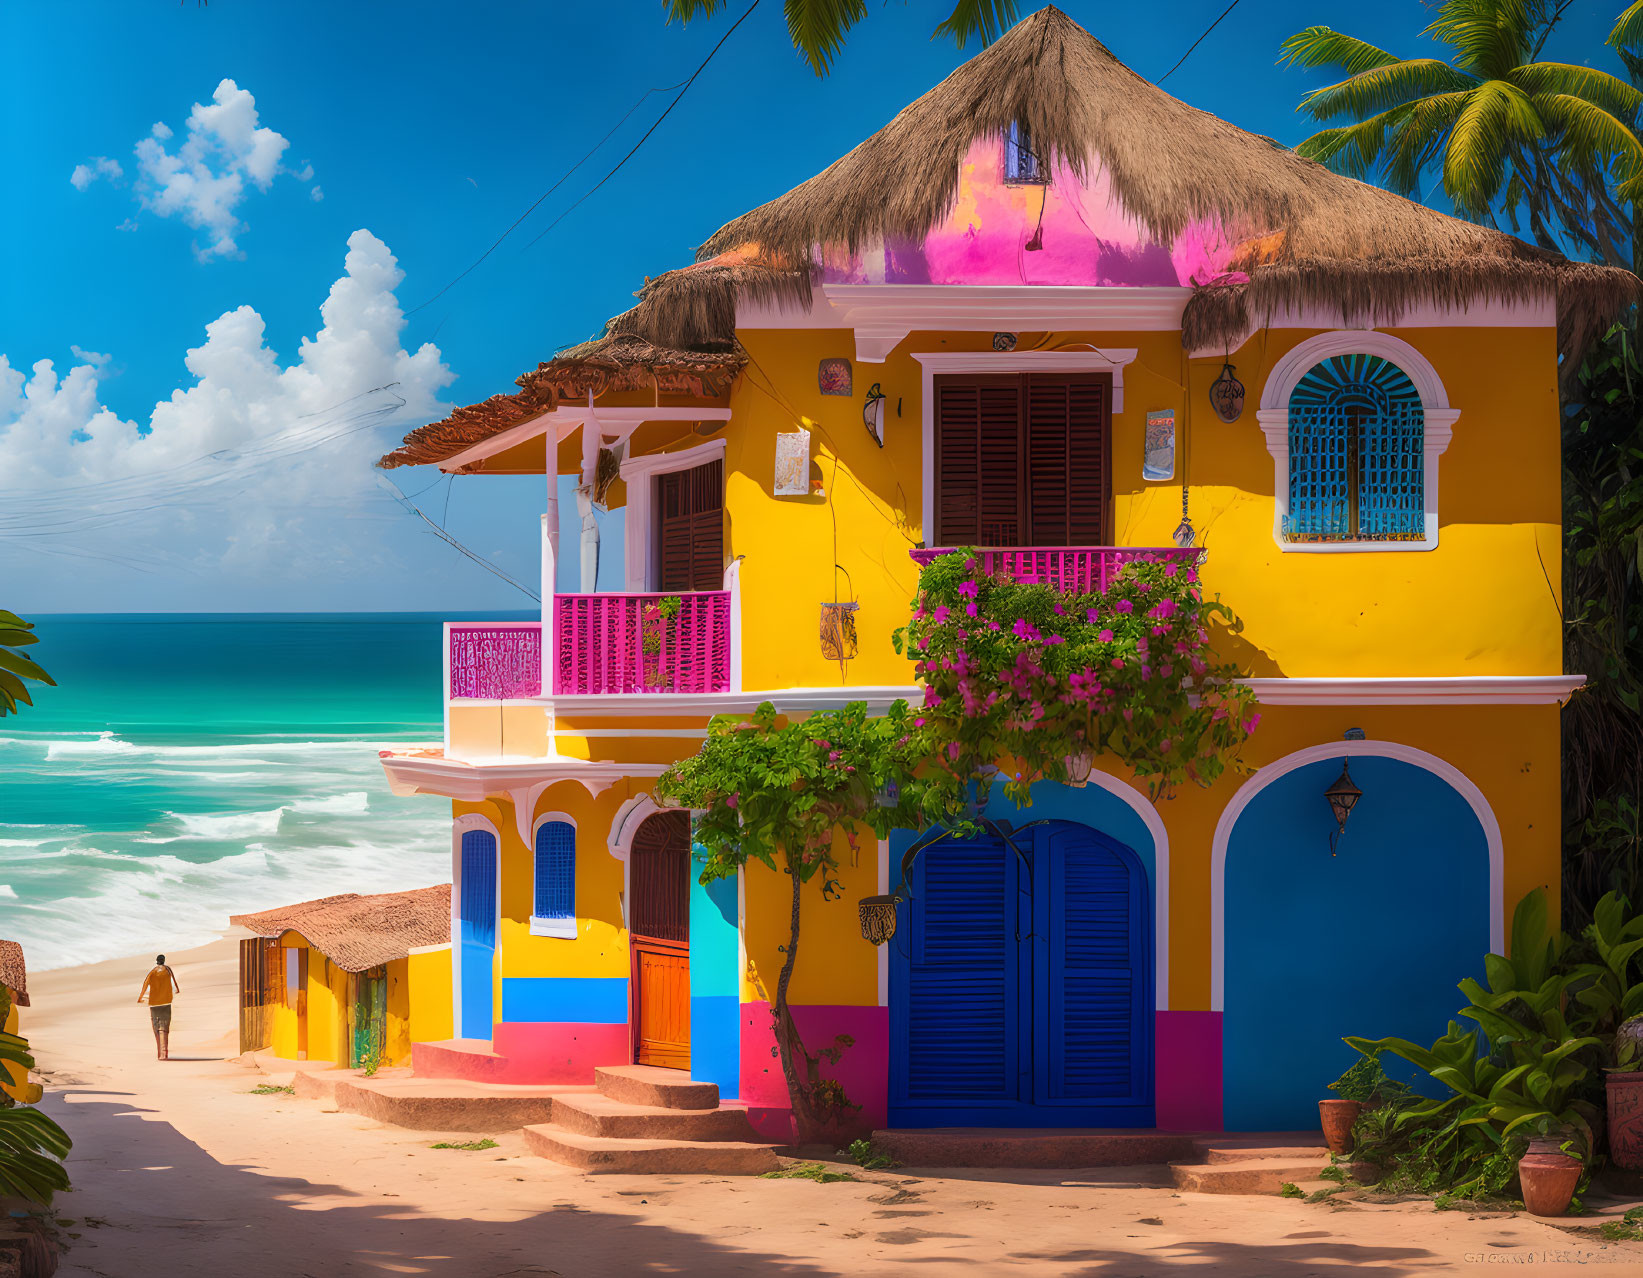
1059 610
952 751
1171 569
993 625
971 564
963 634
1165 609
1105 636
832 756
1056 639
932 699
1159 630
1128 714
1251 722
733 800
1146 672
1124 605
1118 663
969 589
919 722
1090 614
973 610
941 614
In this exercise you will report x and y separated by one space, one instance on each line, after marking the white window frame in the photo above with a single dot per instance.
565 929
1438 426
639 473
1111 360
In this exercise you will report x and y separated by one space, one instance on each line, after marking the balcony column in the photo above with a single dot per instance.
591 439
550 600
733 583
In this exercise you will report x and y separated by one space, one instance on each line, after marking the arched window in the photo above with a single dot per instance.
553 910
1356 454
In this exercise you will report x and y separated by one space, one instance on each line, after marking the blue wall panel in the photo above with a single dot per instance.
1368 942
716 1043
715 982
584 1000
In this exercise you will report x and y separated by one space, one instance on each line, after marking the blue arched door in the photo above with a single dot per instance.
1021 984
1369 941
477 926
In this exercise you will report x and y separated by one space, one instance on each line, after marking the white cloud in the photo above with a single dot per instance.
257 467
90 357
316 195
205 178
100 166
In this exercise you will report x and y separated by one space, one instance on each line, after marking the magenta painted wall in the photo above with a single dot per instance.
864 1069
1086 238
1188 1073
530 1052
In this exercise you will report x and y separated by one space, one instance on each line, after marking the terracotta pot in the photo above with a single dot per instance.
1548 1182
1337 1117
1625 1091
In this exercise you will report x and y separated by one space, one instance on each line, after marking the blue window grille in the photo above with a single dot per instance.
1356 454
1021 163
478 906
555 870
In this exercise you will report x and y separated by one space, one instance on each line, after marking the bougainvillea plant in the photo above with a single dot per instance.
1037 681
781 793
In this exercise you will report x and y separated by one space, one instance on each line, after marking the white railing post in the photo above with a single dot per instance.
550 599
733 583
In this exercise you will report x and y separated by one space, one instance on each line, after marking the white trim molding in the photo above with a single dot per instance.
884 315
1139 804
1453 690
1265 776
1438 425
565 928
638 552
935 364
704 705
412 772
612 422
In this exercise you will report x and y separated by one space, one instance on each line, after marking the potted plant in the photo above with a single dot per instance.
1551 1167
1364 1084
1623 1086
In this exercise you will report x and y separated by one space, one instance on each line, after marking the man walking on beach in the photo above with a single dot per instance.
157 989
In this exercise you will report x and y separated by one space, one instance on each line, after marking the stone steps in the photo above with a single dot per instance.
650 1085
1247 1175
599 1115
448 1105
604 1154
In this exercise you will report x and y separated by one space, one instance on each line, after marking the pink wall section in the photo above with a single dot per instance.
1188 1074
864 1069
529 1052
1086 238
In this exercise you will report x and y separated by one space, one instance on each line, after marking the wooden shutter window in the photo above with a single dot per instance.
690 530
1022 460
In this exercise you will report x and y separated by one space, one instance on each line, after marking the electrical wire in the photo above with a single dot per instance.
1196 43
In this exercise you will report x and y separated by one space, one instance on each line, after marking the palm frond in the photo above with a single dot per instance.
1419 141
1354 149
1628 28
988 19
818 28
1607 92
1587 133
1385 87
682 11
1496 115
1325 47
1490 37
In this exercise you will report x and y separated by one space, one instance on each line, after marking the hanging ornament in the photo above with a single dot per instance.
1226 395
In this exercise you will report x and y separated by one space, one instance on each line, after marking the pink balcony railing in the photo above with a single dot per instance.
1079 569
643 643
494 661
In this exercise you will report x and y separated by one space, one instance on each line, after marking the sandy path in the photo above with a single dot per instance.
180 1172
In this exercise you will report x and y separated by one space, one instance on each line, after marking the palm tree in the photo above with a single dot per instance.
1505 130
818 27
14 666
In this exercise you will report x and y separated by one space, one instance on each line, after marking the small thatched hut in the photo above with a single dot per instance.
331 979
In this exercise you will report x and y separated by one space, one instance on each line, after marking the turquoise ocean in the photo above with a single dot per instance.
189 767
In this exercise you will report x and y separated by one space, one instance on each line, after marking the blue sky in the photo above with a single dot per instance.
431 126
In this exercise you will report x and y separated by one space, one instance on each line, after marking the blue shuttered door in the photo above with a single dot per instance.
478 932
1021 985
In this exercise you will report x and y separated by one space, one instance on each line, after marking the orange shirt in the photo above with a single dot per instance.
157 987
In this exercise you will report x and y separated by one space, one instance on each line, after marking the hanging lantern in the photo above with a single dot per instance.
1226 395
1343 796
872 414
878 918
1184 533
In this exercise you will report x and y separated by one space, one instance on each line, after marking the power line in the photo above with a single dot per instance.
563 178
1196 43
746 14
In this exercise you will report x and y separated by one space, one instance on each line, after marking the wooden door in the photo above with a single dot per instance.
254 994
659 925
690 528
370 1018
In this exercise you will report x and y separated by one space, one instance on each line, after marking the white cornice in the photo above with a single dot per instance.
706 704
473 781
1109 359
1470 690
681 459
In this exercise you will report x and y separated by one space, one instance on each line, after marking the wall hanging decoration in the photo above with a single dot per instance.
1226 395
878 918
838 631
834 377
793 464
1343 795
1158 459
1004 341
872 414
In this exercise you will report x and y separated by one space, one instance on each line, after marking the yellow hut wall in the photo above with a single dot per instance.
397 1047
428 995
1485 601
14 1079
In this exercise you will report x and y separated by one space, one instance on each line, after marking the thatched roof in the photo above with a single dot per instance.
693 353
1292 234
13 974
359 932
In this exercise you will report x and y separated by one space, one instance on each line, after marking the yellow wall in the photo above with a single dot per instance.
14 1079
1484 602
429 996
397 1047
